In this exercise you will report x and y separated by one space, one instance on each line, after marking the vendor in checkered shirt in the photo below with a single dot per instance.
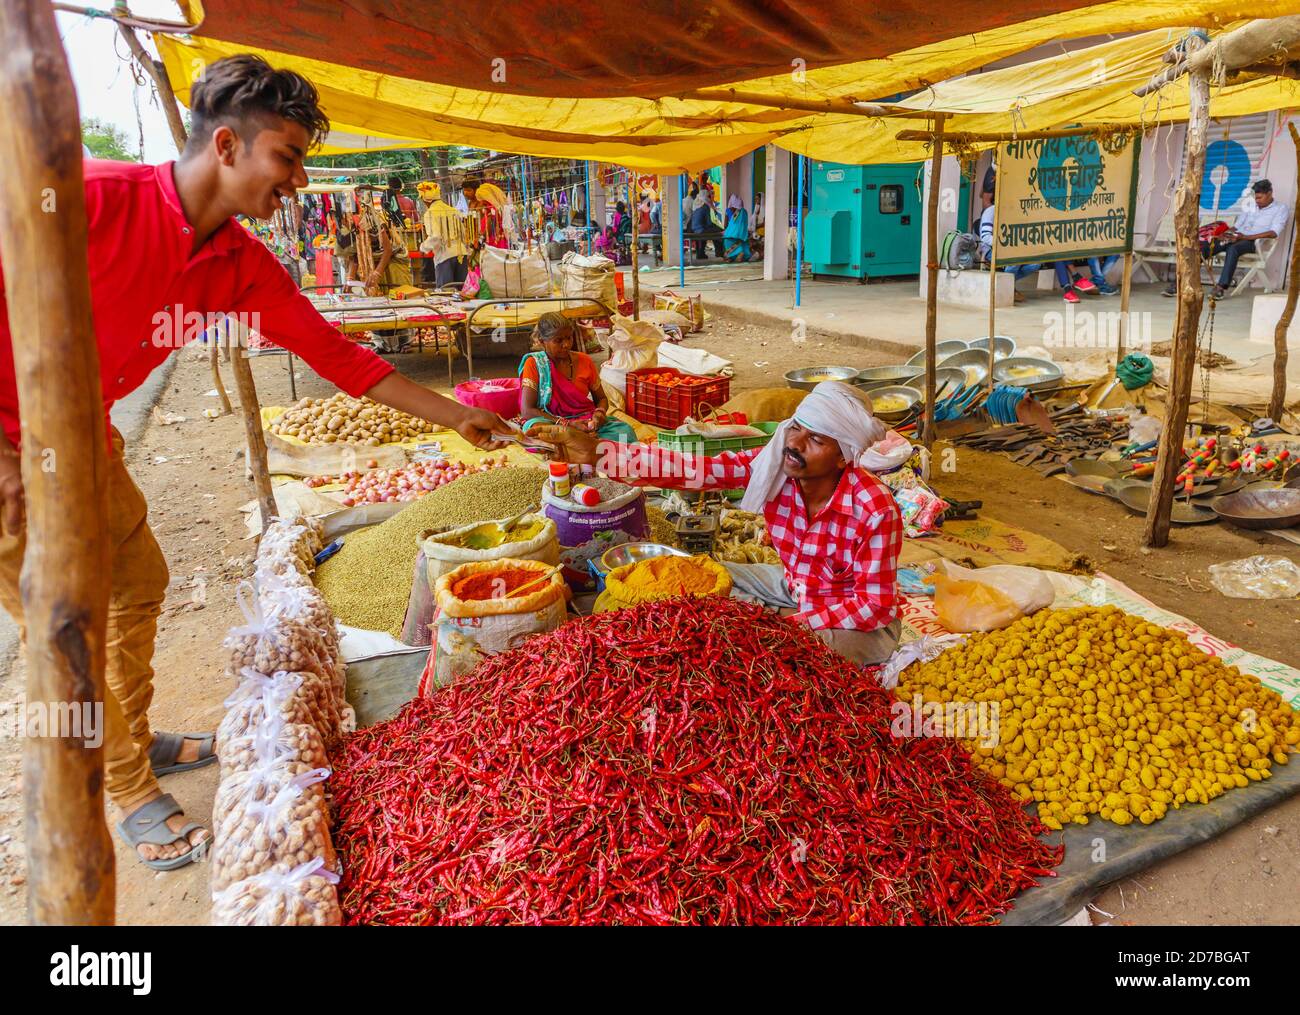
833 524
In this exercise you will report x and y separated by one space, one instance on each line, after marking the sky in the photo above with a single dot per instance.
101 72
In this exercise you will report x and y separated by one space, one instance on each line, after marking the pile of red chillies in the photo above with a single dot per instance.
689 761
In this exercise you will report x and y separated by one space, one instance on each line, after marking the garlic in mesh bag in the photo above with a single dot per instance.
302 896
273 814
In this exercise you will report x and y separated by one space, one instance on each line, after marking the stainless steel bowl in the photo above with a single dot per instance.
1003 346
1045 373
878 377
947 381
633 553
942 350
973 363
1260 509
890 392
808 378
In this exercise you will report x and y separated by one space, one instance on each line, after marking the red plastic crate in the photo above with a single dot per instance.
665 405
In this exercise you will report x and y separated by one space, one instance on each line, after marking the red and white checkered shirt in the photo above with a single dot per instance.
841 565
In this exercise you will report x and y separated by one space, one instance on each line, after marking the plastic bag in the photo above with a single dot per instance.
252 707
295 540
925 649
269 642
1144 429
1258 577
300 601
302 896
272 740
633 345
312 689
269 815
987 598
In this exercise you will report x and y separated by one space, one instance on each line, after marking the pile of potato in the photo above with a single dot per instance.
341 419
1101 712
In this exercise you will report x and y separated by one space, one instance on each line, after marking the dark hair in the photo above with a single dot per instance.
470 183
1262 187
695 189
242 91
394 183
620 207
551 325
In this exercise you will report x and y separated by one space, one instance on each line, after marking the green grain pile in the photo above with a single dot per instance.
368 582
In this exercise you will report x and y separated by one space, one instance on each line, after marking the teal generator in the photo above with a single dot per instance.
865 221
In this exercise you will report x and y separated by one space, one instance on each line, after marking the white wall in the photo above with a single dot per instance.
776 213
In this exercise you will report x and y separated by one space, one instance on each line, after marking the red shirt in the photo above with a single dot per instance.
841 565
148 289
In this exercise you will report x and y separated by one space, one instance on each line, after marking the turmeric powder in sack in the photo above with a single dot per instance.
662 578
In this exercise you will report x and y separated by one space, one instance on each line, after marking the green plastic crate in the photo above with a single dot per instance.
695 444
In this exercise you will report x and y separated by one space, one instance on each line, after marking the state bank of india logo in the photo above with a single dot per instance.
1069 170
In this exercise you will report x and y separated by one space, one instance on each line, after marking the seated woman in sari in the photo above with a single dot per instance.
735 238
561 385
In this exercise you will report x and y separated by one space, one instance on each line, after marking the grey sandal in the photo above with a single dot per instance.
148 824
166 748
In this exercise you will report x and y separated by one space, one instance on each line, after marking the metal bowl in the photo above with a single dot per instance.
1027 372
878 377
947 381
1135 495
892 391
633 553
1260 509
1003 346
973 363
808 378
942 350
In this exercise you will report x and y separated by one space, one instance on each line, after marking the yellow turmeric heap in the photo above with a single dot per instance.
673 576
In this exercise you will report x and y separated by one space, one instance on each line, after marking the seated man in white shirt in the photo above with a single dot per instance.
1265 220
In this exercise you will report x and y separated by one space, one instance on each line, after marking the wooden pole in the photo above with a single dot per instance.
932 277
255 438
71 876
226 408
1125 290
1190 297
167 97
1277 403
993 283
842 105
635 211
1004 135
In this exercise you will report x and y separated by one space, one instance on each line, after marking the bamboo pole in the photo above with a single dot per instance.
1028 135
993 284
932 278
1125 290
255 439
635 211
226 408
1277 403
1190 297
843 106
166 97
65 473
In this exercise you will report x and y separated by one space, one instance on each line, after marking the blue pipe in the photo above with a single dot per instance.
798 237
681 231
586 189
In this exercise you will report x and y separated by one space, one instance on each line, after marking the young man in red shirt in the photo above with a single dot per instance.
163 243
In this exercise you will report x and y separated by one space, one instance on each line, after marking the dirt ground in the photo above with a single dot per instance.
193 476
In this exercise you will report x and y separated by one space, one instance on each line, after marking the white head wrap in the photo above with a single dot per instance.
834 409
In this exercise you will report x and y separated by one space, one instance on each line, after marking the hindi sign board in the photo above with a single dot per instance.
1064 198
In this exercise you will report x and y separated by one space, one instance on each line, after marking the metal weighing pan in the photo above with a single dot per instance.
878 377
1094 467
942 350
1003 346
947 381
892 392
1090 482
974 363
1260 509
1027 372
1135 496
808 378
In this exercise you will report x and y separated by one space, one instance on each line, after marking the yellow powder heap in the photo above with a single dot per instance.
662 578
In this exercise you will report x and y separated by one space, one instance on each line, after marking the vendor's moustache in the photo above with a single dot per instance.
796 456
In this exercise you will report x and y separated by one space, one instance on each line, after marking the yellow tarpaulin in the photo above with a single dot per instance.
371 109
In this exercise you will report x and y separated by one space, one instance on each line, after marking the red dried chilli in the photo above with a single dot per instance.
690 761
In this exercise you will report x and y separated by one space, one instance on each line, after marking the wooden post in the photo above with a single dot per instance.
993 282
1277 403
166 97
932 277
1190 297
64 464
255 438
1125 289
213 343
635 211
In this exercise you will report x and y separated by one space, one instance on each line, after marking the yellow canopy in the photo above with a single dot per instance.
371 109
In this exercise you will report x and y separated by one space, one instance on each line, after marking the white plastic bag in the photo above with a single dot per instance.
272 815
1257 577
515 273
272 740
588 277
633 345
283 896
312 689
988 598
269 641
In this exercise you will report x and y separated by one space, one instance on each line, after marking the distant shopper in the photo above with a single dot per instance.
404 204
1264 221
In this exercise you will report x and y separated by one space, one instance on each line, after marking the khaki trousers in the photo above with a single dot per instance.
138 581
